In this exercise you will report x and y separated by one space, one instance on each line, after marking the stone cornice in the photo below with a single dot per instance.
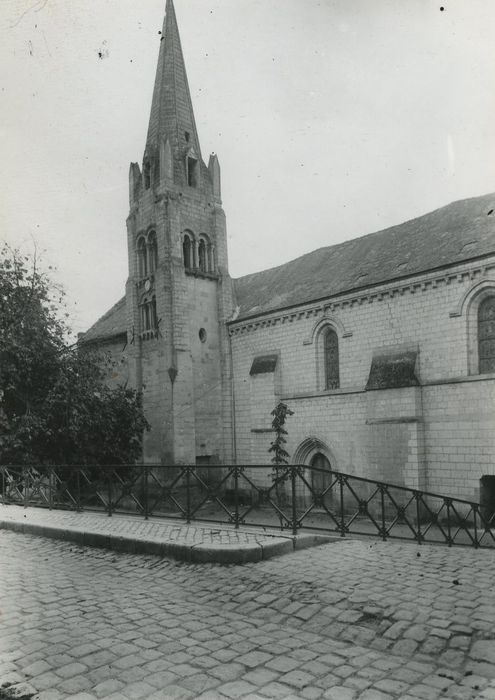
413 285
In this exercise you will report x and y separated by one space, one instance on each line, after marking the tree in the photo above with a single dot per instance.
279 413
280 454
55 407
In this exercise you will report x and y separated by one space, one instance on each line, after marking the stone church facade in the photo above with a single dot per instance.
383 346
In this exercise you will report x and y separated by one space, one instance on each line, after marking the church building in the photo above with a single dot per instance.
382 346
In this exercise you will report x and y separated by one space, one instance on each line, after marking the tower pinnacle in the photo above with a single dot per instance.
172 116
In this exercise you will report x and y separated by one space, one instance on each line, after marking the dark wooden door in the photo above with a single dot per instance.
321 479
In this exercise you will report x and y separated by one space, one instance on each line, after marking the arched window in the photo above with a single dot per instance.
153 318
152 252
331 359
211 258
486 335
149 321
142 258
187 252
202 255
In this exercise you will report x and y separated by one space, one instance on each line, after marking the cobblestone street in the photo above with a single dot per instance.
342 621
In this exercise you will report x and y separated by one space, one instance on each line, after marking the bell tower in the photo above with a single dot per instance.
179 292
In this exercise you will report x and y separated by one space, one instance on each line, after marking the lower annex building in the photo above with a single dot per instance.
383 346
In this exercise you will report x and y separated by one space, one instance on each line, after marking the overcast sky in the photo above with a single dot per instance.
331 119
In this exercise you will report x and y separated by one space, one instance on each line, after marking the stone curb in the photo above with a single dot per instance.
197 553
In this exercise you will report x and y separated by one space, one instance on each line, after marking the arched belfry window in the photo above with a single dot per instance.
486 335
188 251
202 256
331 358
142 258
211 258
152 252
153 317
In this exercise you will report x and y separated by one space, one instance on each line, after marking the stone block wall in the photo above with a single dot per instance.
185 382
436 436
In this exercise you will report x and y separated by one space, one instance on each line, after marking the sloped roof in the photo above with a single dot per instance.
460 231
457 232
109 325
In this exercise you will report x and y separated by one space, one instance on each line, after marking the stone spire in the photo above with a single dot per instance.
172 116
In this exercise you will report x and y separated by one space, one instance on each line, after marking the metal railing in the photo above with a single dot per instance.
289 498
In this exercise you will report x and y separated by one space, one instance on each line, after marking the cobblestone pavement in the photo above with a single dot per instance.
344 621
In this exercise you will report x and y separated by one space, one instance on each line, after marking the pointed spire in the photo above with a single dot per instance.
172 115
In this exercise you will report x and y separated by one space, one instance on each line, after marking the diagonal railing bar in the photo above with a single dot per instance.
363 509
485 525
90 482
434 521
126 489
318 499
463 522
210 493
10 485
64 489
167 491
487 522
275 482
10 482
36 488
16 483
401 515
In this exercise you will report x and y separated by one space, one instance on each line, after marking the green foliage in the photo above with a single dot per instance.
279 413
55 407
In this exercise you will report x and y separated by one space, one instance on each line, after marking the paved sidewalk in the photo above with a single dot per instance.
201 542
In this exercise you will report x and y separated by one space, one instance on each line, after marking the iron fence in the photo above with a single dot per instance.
289 498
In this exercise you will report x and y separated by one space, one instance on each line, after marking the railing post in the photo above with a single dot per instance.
2 469
25 478
50 494
447 503
109 495
475 513
236 497
145 494
342 521
382 502
78 499
293 469
418 519
188 495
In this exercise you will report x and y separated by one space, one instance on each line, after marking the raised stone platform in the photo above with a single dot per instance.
199 542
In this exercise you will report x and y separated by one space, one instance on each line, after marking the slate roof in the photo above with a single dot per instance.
452 234
461 231
111 324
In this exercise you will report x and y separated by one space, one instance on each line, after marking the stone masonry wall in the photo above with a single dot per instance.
184 381
437 437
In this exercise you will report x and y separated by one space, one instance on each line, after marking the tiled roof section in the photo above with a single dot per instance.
109 325
457 232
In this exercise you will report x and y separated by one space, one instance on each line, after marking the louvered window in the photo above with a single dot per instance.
486 335
331 351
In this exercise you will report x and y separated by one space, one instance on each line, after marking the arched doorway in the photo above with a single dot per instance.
321 477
